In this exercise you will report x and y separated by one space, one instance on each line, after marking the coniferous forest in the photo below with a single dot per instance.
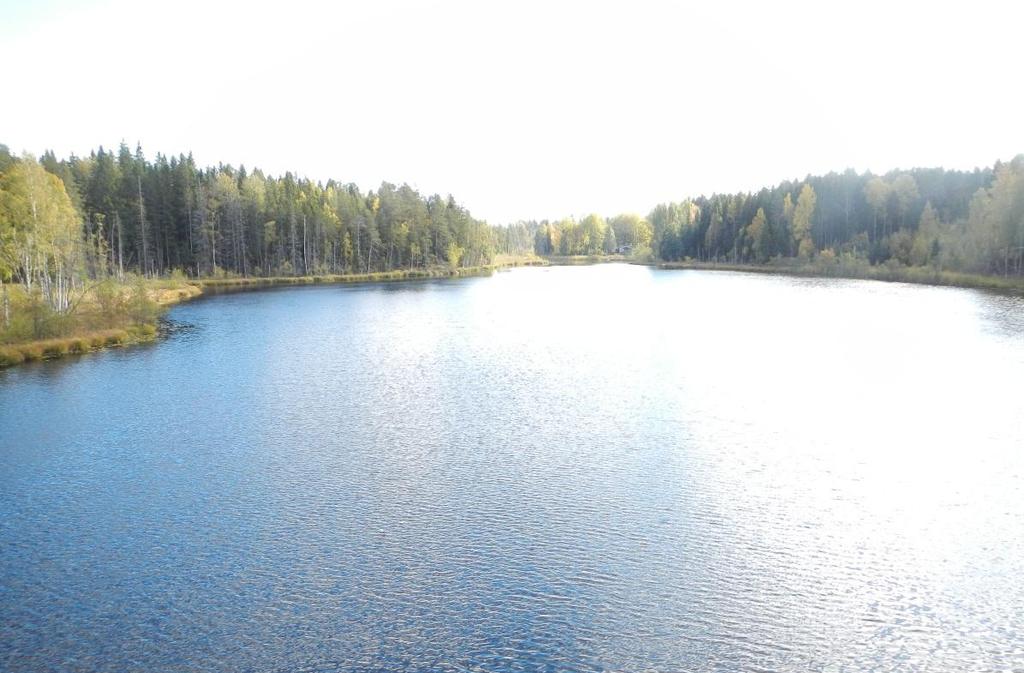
167 214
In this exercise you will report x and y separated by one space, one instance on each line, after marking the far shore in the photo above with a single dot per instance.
817 268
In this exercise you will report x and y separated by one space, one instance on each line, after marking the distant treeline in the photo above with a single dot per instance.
969 221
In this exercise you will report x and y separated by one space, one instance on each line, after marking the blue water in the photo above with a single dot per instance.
587 468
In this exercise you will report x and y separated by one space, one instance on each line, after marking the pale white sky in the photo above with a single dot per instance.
522 109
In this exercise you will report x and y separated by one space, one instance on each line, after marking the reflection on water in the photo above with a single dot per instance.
592 468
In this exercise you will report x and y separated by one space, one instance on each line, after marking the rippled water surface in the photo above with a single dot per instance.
594 468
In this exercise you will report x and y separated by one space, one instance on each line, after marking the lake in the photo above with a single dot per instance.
568 468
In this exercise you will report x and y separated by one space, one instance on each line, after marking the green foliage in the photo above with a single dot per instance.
675 229
32 317
6 159
10 356
116 338
111 302
591 235
141 307
631 230
898 245
32 352
40 238
925 248
455 253
758 235
55 349
643 254
803 220
609 241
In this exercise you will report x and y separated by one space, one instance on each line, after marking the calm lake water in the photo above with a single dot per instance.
591 468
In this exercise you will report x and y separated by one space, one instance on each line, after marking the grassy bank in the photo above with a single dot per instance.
863 271
581 260
87 342
105 315
118 314
227 284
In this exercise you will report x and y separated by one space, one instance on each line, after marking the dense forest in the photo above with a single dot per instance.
951 220
119 211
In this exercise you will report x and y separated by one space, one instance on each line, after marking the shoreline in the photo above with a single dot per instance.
166 295
885 274
218 285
